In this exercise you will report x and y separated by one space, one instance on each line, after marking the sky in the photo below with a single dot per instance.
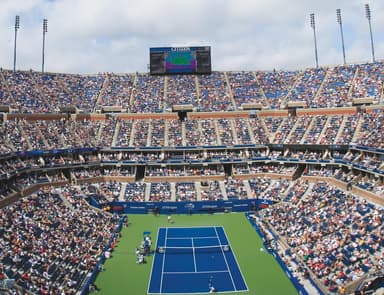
94 36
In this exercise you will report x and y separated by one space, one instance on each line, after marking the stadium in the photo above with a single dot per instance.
235 182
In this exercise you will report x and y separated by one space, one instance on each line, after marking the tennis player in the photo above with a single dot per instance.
210 286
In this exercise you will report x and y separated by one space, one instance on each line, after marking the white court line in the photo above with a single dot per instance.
194 256
238 266
162 267
153 262
226 262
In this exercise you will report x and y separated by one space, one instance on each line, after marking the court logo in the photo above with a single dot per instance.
189 206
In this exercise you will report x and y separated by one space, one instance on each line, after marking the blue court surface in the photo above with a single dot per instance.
191 260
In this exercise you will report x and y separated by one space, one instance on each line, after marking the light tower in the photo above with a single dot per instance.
45 30
17 26
313 26
368 16
338 14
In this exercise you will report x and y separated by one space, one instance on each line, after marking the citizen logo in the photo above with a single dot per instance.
180 49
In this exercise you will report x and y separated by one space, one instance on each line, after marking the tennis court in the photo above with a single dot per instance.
190 260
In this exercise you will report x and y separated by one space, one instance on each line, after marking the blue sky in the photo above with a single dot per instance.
92 36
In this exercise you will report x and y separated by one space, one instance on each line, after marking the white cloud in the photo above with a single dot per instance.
87 36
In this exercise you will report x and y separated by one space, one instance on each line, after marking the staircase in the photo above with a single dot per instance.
223 190
149 135
315 98
198 190
101 92
341 129
349 95
299 171
122 192
309 128
266 102
173 191
356 134
116 133
230 90
293 130
166 128
233 129
247 188
147 192
318 141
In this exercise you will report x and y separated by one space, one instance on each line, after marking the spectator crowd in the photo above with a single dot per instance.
59 153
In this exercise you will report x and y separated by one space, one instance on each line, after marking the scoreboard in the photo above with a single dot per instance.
180 60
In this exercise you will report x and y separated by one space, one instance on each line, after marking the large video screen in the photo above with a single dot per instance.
180 60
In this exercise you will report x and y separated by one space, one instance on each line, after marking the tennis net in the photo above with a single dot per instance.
193 250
